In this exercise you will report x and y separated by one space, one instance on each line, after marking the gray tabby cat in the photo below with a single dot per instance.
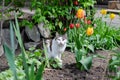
56 47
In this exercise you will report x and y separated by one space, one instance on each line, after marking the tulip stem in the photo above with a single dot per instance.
110 22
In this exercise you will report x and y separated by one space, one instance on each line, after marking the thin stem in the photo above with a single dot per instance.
2 20
110 22
5 8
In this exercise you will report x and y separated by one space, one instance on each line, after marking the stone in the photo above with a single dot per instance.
6 38
1 50
45 32
33 33
28 45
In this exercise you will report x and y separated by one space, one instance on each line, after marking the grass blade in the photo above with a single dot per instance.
17 32
32 76
12 39
10 59
40 72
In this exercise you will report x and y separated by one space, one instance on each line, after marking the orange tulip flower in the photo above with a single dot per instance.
80 13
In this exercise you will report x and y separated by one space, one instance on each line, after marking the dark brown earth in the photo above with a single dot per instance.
69 70
3 63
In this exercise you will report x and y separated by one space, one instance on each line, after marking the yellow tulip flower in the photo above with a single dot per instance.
89 31
112 16
103 12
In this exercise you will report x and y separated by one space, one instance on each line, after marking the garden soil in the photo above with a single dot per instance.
69 71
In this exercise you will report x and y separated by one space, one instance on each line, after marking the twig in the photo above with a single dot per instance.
5 8
2 20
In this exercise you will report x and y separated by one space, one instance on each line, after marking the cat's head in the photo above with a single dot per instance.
61 40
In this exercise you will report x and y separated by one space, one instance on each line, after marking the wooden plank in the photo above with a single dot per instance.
113 11
118 6
112 4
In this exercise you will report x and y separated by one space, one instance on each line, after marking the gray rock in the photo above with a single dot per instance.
6 38
30 44
33 33
1 50
45 32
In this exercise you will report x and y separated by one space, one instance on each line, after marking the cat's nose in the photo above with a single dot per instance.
61 43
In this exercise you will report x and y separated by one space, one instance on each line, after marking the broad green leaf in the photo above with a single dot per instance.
91 47
115 62
87 62
78 56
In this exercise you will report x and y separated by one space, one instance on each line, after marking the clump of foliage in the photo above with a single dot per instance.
114 65
28 71
86 36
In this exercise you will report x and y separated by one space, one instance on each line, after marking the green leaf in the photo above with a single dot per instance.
18 35
40 72
77 42
86 62
115 62
60 24
10 59
12 38
118 74
78 56
91 47
32 76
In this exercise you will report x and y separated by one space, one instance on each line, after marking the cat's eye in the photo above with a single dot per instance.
58 39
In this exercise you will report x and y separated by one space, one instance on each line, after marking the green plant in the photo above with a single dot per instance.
83 62
114 65
90 36
87 3
29 71
8 75
82 46
56 15
54 63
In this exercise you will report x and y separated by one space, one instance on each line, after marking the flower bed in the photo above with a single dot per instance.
86 34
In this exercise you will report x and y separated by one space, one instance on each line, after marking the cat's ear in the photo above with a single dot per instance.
57 34
65 35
